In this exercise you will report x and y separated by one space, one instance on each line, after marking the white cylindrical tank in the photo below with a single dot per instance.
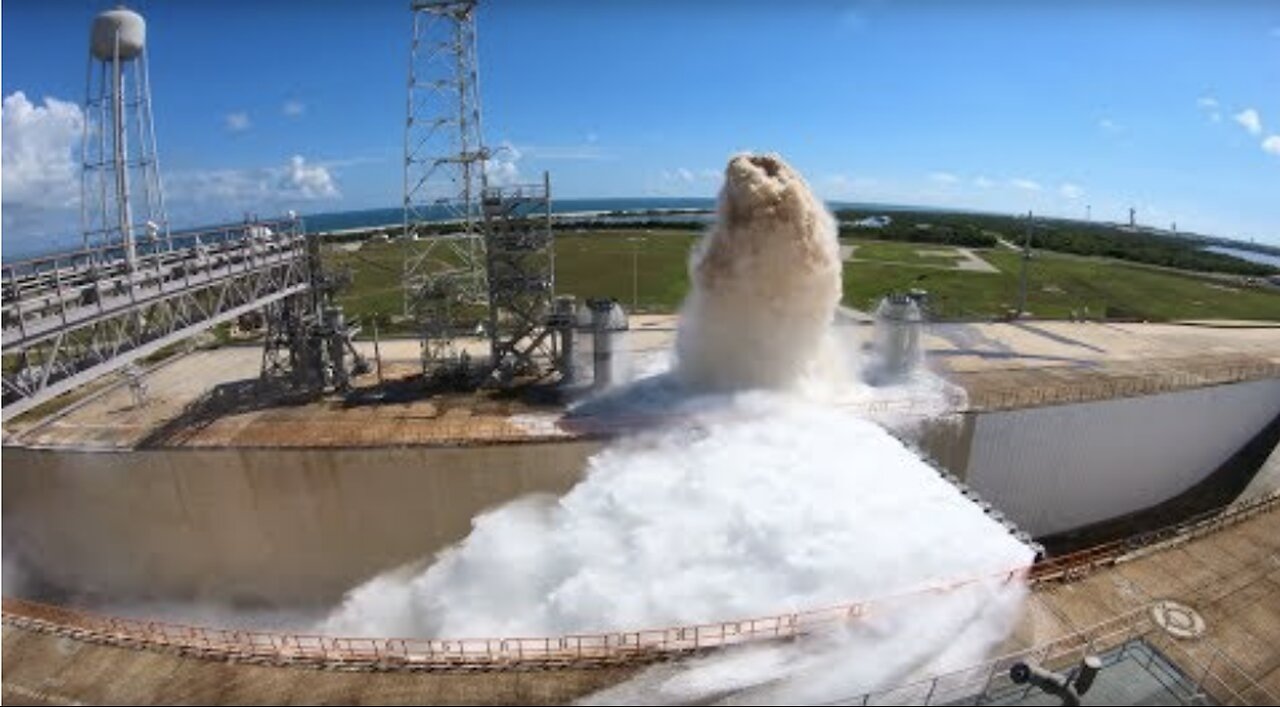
124 24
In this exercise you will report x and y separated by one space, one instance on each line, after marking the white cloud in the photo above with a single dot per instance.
1071 191
290 108
1025 184
1210 105
944 177
269 189
41 164
1110 126
1250 119
305 181
1272 144
983 183
502 168
684 175
237 122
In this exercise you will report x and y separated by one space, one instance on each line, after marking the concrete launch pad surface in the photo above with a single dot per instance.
206 399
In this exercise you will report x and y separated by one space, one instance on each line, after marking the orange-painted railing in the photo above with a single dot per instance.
622 646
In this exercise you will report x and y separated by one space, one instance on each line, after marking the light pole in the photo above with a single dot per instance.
635 270
1026 258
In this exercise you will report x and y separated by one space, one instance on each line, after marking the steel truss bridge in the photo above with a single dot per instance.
73 316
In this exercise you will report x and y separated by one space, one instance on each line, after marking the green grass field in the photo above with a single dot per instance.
600 264
1058 285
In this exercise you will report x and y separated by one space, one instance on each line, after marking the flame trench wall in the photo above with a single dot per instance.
298 527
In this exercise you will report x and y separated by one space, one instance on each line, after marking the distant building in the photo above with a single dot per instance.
873 222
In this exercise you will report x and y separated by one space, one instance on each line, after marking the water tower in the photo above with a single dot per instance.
121 200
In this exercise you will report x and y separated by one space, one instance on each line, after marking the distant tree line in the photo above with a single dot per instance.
1143 248
944 229
1095 239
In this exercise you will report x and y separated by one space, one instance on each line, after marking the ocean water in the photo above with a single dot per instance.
369 218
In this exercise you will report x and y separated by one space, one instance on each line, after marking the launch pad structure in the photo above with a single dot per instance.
478 257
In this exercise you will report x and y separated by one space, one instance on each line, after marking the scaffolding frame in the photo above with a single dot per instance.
444 176
520 263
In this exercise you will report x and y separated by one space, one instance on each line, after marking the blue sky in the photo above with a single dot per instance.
1173 108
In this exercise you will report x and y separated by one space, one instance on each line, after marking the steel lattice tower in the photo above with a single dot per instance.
121 198
444 176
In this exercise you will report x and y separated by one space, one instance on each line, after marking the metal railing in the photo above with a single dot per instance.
611 647
69 317
47 293
1205 668
1077 565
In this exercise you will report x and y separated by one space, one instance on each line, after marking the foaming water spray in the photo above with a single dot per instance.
763 494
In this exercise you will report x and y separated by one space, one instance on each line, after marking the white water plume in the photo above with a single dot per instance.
762 493
766 281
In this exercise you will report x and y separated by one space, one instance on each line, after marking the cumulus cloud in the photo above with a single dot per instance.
502 168
291 109
1272 145
1250 120
944 177
1025 184
40 165
212 193
40 168
237 122
1071 191
305 181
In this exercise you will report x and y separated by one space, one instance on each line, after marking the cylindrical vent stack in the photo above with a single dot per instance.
602 341
898 337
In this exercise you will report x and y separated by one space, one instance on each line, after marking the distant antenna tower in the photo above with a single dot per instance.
444 176
1132 219
121 200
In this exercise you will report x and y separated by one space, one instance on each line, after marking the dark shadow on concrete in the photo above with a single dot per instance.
222 400
1217 490
1002 355
963 336
1057 337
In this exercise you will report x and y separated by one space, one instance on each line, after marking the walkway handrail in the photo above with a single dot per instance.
618 647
